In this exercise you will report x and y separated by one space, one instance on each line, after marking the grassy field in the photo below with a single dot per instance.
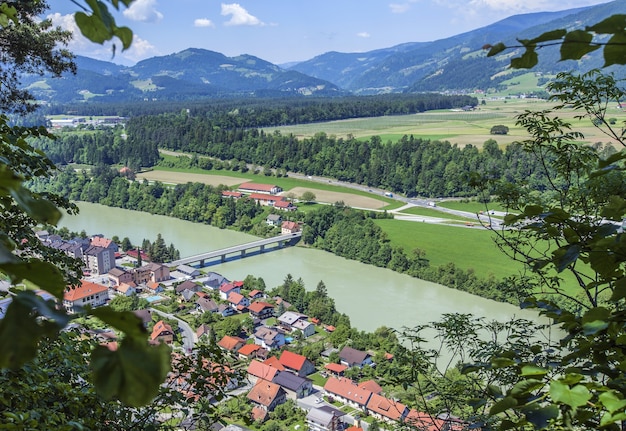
471 206
468 248
428 212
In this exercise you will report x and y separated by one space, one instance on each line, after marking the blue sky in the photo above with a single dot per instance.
282 31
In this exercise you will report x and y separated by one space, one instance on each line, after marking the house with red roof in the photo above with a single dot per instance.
274 362
231 344
231 194
386 409
162 333
256 294
101 241
336 369
285 206
258 370
260 188
296 363
266 200
267 395
261 310
347 392
227 288
238 301
423 421
371 386
86 294
289 227
248 351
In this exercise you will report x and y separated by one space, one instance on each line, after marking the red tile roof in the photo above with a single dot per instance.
264 197
85 289
264 393
274 362
235 298
292 360
248 349
101 242
386 407
371 385
261 370
258 306
423 421
230 343
232 194
257 186
347 389
159 328
335 368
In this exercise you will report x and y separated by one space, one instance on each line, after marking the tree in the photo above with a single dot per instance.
308 196
572 241
499 130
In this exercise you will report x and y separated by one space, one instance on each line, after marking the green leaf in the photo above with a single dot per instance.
619 289
549 35
132 373
576 44
614 50
524 387
533 371
124 321
124 34
541 417
20 333
565 256
43 274
533 210
611 25
528 60
612 401
92 27
496 49
503 405
574 397
502 362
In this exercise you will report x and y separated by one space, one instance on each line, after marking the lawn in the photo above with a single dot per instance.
471 206
429 212
469 248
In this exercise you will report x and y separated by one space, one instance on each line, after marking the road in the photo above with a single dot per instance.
189 336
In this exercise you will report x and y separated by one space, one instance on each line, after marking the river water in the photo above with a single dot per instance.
371 296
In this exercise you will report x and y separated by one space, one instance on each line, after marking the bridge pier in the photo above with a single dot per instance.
223 258
202 263
262 248
243 253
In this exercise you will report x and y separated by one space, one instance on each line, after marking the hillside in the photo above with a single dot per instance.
453 64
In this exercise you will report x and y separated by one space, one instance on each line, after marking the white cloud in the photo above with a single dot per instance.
139 50
239 16
203 22
363 34
399 7
144 11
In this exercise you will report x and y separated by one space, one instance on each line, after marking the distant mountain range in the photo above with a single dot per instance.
454 64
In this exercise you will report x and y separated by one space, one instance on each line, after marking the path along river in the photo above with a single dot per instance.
371 296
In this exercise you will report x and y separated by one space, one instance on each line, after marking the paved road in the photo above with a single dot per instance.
189 336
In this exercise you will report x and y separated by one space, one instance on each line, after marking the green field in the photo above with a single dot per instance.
471 206
469 248
429 212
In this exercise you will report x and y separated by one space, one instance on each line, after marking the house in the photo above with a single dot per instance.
267 395
99 260
118 276
214 280
238 301
261 310
289 317
265 200
231 194
295 386
73 249
307 328
203 330
289 227
354 358
248 351
274 220
188 285
231 344
347 392
127 289
269 337
260 188
274 362
285 206
257 370
87 294
386 409
256 294
297 364
424 421
162 333
225 310
206 305
187 270
151 272
371 386
324 418
153 287
101 241
227 288
335 369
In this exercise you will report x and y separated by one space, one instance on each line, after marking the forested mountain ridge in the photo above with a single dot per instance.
456 64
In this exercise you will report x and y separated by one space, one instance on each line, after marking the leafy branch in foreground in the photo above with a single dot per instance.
574 44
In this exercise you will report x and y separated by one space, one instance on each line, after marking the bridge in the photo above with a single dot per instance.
242 249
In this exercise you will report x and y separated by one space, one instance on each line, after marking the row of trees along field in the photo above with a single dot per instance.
250 113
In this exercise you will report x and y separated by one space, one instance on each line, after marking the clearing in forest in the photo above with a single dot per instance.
352 200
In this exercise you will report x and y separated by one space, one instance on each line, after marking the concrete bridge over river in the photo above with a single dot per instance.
243 250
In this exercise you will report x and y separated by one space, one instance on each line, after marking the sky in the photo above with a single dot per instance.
283 31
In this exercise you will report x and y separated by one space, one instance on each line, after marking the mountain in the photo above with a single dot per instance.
456 63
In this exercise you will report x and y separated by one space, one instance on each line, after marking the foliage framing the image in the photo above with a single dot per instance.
30 318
